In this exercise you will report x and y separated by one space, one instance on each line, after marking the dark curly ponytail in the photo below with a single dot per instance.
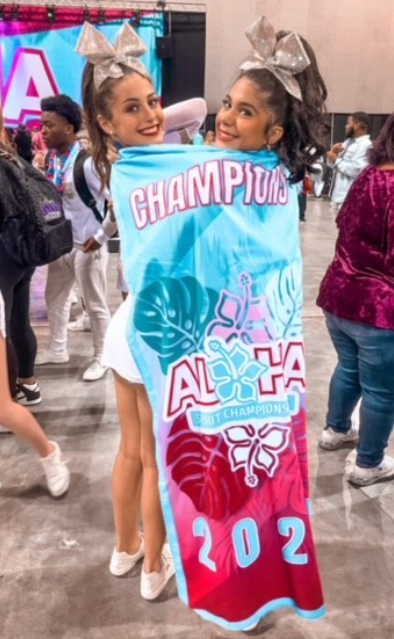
303 121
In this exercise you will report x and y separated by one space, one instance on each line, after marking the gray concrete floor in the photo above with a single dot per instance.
54 579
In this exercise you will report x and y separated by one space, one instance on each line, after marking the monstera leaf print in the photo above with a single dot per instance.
172 316
201 468
284 297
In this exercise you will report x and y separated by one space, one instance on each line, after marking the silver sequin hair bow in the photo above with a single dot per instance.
107 58
283 59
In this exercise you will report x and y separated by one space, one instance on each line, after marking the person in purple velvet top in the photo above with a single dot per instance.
357 296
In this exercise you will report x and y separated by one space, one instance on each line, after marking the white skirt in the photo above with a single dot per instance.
117 354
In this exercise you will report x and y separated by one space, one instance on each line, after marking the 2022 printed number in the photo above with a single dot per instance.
246 542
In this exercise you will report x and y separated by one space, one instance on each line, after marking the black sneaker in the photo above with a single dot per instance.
29 394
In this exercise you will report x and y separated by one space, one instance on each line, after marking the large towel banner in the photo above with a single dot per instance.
211 253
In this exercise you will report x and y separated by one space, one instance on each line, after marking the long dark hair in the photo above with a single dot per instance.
382 151
303 121
99 102
24 144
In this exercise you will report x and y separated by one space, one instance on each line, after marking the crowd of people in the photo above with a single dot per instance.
261 111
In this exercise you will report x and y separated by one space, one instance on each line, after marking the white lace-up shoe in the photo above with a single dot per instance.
81 324
367 476
331 440
153 583
56 471
94 372
121 562
47 356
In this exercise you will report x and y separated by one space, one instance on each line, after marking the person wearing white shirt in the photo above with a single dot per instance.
349 159
87 263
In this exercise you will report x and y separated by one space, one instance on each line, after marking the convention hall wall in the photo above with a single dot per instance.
353 41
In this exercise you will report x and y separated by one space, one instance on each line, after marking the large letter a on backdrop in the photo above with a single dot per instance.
30 80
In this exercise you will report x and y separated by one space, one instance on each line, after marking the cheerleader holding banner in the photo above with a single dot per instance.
211 253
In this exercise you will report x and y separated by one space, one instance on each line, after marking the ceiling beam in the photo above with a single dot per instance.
129 5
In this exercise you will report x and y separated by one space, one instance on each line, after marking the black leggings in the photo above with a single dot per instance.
15 288
12 366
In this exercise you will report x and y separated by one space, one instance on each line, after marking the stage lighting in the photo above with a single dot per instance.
15 12
161 5
101 16
51 14
86 15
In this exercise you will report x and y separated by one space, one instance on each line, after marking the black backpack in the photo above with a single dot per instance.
33 228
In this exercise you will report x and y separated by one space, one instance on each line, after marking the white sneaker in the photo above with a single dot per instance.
94 372
153 583
81 324
47 356
367 476
56 471
331 440
121 562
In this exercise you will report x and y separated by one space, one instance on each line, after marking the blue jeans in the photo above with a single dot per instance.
365 369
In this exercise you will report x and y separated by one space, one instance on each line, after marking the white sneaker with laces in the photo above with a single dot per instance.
81 324
56 471
121 562
331 440
153 583
367 476
47 356
94 372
